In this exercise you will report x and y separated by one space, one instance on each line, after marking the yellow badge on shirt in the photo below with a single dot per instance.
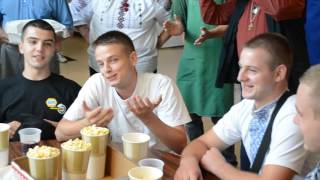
51 102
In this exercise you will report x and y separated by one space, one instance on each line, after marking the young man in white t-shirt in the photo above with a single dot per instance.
264 65
127 101
308 117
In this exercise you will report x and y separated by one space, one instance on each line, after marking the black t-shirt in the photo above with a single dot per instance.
29 102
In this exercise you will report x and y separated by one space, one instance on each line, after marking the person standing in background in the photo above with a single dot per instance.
137 18
312 27
249 18
198 68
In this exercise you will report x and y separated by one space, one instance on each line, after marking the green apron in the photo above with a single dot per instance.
198 65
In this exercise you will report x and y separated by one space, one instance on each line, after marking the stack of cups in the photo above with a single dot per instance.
75 158
98 138
43 162
135 145
4 144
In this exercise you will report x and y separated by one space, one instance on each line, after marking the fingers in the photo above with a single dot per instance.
158 101
53 123
14 125
93 113
102 118
204 33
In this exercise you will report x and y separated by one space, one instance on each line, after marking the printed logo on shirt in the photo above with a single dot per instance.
61 108
52 104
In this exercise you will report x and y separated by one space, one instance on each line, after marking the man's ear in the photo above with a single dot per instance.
133 58
21 47
281 72
57 43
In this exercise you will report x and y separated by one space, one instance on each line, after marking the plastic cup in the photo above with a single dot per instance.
29 138
74 163
145 173
4 144
151 162
97 160
135 145
44 168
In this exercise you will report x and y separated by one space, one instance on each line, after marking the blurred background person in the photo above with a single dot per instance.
198 68
140 19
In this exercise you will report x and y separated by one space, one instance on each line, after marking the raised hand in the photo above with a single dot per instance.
173 27
98 116
143 108
204 35
188 170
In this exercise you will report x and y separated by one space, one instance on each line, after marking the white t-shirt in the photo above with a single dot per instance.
286 147
96 92
140 21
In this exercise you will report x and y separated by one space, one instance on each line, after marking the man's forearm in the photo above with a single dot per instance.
283 10
70 129
163 38
227 171
213 13
173 137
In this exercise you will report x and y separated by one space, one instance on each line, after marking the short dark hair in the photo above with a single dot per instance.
115 37
38 23
277 46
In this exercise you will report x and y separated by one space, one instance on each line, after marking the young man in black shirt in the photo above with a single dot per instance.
37 97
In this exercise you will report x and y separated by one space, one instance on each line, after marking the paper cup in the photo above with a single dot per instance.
4 144
97 158
74 163
145 173
135 145
29 138
44 168
152 162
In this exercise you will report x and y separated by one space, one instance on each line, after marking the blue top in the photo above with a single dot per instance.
312 31
57 10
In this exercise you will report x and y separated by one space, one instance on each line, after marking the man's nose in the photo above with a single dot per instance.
241 75
39 46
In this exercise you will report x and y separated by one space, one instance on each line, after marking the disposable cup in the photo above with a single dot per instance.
4 144
44 168
29 138
152 162
135 145
74 163
145 173
97 160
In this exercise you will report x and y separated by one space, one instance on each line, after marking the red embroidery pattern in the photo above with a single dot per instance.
123 9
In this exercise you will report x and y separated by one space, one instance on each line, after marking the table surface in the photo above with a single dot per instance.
171 160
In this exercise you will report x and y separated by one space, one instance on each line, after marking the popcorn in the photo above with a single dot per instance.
76 145
94 131
43 152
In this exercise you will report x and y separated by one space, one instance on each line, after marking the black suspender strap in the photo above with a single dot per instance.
265 143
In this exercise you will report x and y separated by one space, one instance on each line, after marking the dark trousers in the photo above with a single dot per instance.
195 129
